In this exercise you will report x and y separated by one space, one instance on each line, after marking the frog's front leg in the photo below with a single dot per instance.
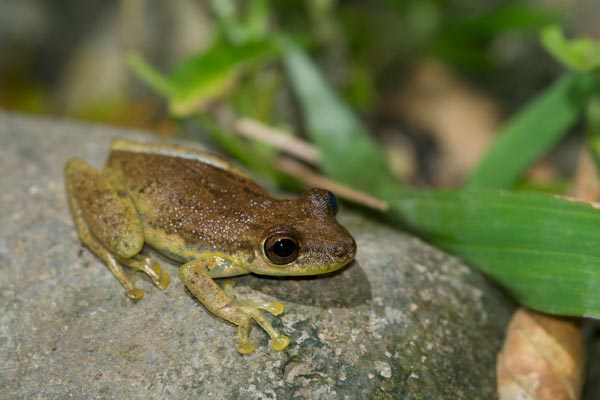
196 277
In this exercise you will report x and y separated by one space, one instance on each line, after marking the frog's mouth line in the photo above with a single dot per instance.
306 270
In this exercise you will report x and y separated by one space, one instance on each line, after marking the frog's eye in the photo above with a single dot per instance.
333 202
281 249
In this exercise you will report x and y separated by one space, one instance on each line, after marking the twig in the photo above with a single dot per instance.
309 177
306 152
279 139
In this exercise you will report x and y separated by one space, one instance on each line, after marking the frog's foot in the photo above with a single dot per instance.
242 312
150 267
223 303
274 307
246 311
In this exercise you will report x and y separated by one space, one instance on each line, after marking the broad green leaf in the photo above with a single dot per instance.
198 81
543 249
350 155
578 54
533 131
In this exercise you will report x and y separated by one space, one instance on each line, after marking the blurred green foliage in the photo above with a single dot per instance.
543 249
581 55
364 47
188 90
535 130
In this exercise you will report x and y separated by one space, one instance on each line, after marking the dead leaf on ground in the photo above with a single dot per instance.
543 357
586 185
462 119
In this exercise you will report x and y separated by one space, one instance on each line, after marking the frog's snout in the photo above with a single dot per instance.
353 247
347 251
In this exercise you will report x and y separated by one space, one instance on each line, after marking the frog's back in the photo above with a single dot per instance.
204 206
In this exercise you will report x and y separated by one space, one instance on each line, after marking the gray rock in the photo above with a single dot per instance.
403 321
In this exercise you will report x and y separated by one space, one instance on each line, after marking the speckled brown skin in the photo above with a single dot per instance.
214 210
199 210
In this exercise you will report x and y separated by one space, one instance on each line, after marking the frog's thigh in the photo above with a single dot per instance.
79 192
176 151
109 215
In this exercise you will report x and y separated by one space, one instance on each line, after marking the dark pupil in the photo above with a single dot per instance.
284 247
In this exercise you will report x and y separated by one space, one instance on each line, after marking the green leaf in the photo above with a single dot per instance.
533 131
350 155
240 28
544 250
150 75
579 54
201 79
257 21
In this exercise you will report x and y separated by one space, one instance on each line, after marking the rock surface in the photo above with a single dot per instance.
403 321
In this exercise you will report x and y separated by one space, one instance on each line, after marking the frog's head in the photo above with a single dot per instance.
306 239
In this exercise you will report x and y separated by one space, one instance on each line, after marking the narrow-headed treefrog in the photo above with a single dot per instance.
199 210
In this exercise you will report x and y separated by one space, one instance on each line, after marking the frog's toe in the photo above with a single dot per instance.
152 266
149 267
160 278
135 294
274 307
245 348
280 343
164 281
228 288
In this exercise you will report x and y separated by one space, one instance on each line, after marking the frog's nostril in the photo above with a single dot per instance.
348 249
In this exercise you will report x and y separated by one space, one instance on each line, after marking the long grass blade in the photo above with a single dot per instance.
533 131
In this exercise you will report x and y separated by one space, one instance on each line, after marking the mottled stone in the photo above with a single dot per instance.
403 321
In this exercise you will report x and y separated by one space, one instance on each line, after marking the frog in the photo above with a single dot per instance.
203 212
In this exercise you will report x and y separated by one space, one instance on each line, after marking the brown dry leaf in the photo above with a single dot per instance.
543 357
462 119
586 185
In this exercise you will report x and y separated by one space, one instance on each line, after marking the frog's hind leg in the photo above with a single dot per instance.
107 224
